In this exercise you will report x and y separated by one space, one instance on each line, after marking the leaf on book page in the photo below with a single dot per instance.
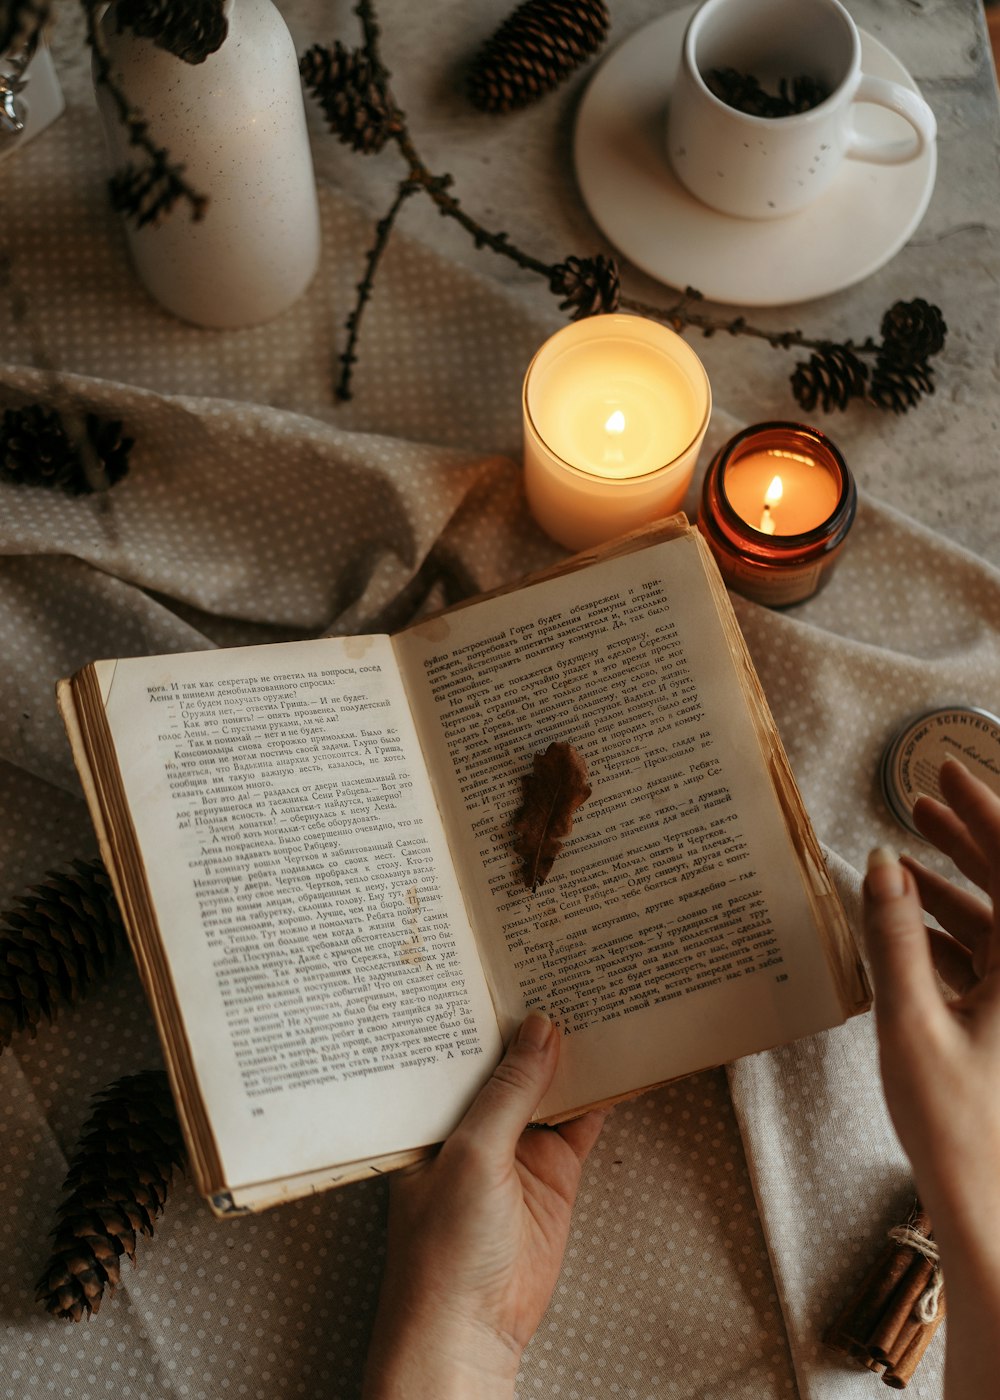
550 794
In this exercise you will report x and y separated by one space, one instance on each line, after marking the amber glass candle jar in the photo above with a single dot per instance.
776 506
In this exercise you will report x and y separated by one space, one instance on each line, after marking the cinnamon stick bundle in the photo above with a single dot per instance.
890 1318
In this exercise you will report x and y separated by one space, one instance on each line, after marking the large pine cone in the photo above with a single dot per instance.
189 29
535 48
55 943
117 1185
36 450
343 82
587 286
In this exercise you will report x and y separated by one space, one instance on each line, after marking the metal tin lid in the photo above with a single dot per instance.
913 756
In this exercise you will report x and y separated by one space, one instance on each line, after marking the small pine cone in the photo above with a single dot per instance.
55 943
535 48
343 81
35 450
913 331
590 286
832 376
189 29
20 22
116 1187
899 384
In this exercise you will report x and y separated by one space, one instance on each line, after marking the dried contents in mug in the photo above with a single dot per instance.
745 92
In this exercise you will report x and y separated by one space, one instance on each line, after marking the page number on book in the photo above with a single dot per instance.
256 1113
781 976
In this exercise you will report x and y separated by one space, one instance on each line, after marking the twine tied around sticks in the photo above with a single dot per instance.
927 1305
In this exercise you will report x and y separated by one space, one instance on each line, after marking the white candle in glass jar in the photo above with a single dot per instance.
615 410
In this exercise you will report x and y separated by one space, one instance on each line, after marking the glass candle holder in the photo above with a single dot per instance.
777 503
615 410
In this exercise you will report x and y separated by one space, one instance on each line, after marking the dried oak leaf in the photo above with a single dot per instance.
550 794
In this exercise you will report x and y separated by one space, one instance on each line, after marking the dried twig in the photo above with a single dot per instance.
148 192
833 375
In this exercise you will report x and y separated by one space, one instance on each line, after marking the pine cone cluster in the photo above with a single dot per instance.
55 943
587 286
20 21
189 29
912 331
36 450
357 109
116 1188
534 50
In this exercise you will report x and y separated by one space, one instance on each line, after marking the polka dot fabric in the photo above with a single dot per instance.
722 1218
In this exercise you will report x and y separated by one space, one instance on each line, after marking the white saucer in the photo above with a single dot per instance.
866 215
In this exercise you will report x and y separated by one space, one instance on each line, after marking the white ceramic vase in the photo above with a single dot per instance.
236 122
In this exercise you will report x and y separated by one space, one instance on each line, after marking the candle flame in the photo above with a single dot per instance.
774 492
616 423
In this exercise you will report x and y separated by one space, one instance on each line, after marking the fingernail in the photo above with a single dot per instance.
885 874
535 1030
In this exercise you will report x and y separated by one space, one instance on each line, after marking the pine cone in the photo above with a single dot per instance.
535 48
189 29
20 21
899 384
35 450
591 286
344 83
832 376
913 331
57 941
117 1185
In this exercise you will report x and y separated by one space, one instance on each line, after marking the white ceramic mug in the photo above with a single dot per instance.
764 167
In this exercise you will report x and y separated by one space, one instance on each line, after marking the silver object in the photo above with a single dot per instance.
12 82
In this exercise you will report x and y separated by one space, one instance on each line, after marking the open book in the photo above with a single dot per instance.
311 845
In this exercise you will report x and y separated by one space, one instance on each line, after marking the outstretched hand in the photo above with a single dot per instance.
477 1235
940 1055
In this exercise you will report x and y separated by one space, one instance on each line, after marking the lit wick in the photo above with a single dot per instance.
771 498
614 427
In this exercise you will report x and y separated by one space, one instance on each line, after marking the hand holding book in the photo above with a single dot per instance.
477 1235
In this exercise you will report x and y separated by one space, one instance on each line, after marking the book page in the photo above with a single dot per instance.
675 930
314 932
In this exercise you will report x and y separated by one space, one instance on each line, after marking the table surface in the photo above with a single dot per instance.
721 1219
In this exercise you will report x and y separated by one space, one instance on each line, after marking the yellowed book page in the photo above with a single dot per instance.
675 930
316 938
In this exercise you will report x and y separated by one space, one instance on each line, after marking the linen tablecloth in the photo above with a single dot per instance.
722 1219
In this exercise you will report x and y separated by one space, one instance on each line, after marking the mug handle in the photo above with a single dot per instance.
906 104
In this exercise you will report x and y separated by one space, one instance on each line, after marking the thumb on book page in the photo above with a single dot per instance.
504 1105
